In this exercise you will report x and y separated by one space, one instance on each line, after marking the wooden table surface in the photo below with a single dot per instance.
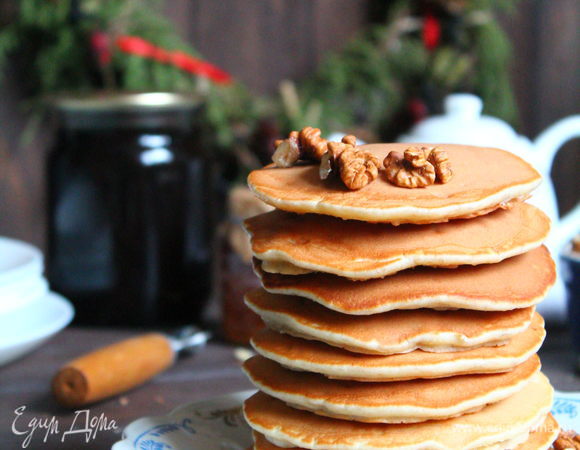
212 371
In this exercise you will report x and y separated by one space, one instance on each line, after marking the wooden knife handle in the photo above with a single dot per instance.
112 370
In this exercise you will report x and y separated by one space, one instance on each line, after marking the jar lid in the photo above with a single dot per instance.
126 101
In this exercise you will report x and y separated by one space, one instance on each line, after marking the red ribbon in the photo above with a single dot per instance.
431 32
134 45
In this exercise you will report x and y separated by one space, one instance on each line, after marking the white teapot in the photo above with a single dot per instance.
463 123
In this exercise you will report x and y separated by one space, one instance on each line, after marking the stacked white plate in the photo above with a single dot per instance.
29 312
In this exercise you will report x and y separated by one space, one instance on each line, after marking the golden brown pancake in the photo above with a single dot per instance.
539 439
333 362
543 436
507 420
360 250
395 402
261 443
487 287
484 179
391 332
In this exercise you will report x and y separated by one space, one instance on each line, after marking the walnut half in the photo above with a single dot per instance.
329 161
409 170
357 168
313 145
440 161
417 167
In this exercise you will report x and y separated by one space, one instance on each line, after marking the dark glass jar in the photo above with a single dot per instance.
130 219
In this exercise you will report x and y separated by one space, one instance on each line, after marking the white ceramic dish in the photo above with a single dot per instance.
20 292
18 259
24 329
218 424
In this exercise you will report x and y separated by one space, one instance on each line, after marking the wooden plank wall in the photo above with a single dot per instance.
546 76
264 41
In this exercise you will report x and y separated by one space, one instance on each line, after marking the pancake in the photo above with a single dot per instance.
539 439
510 419
312 356
395 402
543 436
483 179
487 287
360 250
391 332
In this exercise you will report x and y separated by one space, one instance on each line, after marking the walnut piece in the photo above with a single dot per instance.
440 161
287 151
567 440
305 144
576 243
357 168
329 161
410 170
416 157
312 144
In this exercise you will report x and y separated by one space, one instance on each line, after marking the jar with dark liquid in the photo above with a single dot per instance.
131 219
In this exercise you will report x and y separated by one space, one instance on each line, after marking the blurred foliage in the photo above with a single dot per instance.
52 44
389 76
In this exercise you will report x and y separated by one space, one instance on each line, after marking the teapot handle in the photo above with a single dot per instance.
551 139
546 146
566 228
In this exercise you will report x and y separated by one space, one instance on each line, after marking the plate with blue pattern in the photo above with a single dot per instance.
215 424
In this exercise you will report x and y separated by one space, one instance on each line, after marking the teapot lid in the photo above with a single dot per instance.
463 123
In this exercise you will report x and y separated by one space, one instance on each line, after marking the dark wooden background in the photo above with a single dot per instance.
264 41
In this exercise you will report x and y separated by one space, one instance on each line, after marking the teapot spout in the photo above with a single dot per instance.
550 140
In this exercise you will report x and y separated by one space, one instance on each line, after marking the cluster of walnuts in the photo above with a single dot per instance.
567 440
417 167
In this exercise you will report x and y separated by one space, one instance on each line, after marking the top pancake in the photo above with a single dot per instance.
484 179
359 250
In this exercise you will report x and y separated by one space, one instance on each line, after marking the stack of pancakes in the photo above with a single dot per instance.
409 325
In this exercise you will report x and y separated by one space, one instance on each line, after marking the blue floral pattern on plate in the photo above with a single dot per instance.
566 410
215 424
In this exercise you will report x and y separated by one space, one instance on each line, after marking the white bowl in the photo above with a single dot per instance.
25 329
18 260
20 292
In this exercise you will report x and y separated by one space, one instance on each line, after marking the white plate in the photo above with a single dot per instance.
18 259
24 329
218 424
20 292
